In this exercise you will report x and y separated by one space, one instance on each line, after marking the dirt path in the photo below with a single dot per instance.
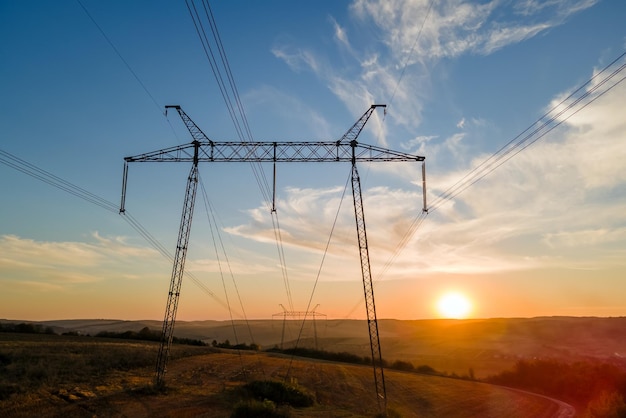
564 410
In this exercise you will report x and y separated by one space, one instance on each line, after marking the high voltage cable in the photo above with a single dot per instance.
165 253
546 123
415 224
213 223
319 271
128 217
420 218
231 79
32 170
40 174
281 257
119 55
237 114
142 231
240 122
131 220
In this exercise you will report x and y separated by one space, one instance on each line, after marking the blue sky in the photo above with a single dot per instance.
544 234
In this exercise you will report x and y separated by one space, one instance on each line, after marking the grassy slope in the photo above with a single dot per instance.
80 376
487 346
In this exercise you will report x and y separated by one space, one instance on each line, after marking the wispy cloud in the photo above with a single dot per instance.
55 264
559 203
296 115
540 209
298 59
561 193
418 38
457 27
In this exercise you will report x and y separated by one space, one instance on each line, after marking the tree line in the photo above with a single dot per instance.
596 388
145 334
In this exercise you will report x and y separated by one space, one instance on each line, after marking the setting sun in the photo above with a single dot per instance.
454 305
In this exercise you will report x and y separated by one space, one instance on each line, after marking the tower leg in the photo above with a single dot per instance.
368 288
167 332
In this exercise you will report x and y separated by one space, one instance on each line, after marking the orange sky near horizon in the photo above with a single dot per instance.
521 234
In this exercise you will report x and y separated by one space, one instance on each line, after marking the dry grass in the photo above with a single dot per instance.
487 346
54 376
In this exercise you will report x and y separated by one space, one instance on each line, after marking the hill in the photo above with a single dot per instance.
486 346
54 376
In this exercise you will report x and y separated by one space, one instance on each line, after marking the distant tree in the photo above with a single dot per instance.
424 369
402 365
579 383
606 405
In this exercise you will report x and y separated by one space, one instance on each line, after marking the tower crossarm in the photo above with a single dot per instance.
301 151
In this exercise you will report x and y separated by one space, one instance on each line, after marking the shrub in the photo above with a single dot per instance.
26 328
279 393
261 409
424 369
402 365
606 405
146 334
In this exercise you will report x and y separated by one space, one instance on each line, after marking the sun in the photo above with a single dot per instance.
454 305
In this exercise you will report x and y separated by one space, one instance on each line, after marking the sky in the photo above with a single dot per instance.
541 232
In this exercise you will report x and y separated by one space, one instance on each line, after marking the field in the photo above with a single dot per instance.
487 346
53 376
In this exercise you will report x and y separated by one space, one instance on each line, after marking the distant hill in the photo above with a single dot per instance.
46 375
487 346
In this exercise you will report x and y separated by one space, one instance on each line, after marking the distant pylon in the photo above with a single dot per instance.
298 315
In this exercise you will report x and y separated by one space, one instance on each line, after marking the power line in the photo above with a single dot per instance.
32 170
231 98
127 65
557 115
120 55
319 271
44 176
128 217
545 124
213 224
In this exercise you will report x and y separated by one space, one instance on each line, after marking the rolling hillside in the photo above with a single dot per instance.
487 346
54 376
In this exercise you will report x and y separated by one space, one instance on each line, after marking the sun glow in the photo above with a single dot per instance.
454 305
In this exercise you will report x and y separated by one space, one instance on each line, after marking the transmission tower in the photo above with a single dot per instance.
297 315
202 149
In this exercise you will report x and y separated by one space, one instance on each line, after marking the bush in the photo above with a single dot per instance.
279 393
253 408
424 369
240 346
343 356
146 334
402 365
26 328
606 405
